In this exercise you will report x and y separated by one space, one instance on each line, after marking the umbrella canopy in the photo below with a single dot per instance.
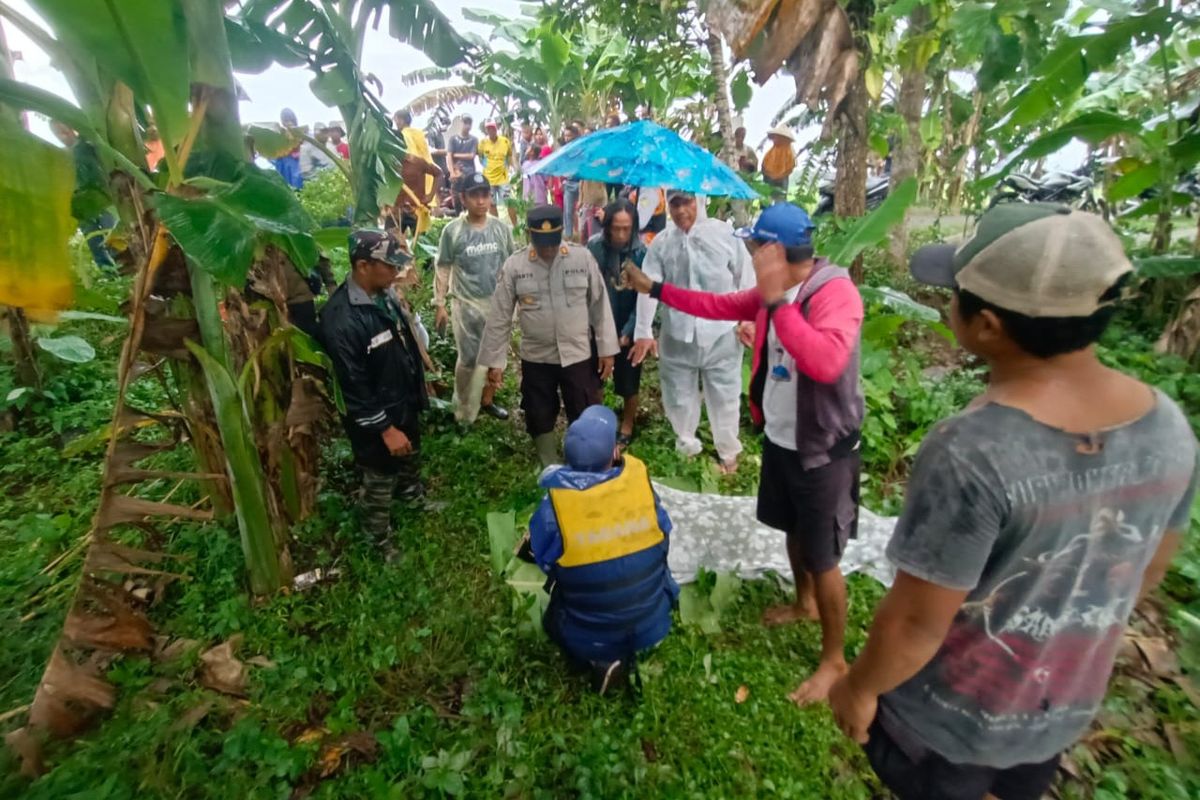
645 154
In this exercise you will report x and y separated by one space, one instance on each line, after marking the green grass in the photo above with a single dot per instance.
436 659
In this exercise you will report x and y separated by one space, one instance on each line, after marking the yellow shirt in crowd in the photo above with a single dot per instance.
778 163
496 155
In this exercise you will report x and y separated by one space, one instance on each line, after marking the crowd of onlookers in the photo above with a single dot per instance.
441 161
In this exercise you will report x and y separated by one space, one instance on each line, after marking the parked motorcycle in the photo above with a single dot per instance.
877 192
1075 189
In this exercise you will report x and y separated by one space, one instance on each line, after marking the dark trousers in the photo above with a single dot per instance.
94 233
383 475
542 384
914 772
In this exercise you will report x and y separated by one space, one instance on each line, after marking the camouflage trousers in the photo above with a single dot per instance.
379 490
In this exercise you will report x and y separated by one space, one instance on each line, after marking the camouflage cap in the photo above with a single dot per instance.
375 245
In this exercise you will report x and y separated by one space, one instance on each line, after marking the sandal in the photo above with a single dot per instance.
624 440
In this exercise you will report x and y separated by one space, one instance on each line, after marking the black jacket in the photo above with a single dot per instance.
378 365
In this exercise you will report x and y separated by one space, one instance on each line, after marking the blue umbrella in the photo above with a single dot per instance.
645 154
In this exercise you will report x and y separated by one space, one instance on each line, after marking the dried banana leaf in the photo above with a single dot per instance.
164 336
68 696
108 556
791 24
113 625
121 509
843 74
739 21
833 36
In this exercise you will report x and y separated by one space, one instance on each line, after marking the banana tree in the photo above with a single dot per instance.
193 237
329 37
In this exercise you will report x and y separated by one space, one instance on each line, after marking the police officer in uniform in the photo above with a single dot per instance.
568 338
373 344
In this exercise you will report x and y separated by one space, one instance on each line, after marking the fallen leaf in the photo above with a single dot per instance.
221 670
1179 748
1188 688
25 743
190 718
68 695
361 743
331 759
742 694
262 661
1156 652
311 735
170 649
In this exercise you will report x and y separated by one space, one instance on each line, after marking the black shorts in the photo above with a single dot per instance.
542 384
627 379
818 508
408 223
913 772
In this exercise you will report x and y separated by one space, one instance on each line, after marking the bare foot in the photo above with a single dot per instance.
816 688
789 613
728 467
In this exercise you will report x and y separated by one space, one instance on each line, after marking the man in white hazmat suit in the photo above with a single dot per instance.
695 354
471 251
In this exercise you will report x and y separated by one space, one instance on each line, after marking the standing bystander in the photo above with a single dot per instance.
471 251
377 359
699 357
1033 522
498 154
805 392
615 246
567 335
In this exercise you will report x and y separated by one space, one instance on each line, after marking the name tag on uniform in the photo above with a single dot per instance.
379 340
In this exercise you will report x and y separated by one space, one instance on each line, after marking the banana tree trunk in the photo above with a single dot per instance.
954 193
24 358
850 189
907 160
214 96
720 73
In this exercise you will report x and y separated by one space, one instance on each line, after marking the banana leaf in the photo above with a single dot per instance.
1167 266
502 538
221 230
141 42
870 230
245 476
36 183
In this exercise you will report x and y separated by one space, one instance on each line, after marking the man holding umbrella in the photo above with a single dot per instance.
696 354
561 301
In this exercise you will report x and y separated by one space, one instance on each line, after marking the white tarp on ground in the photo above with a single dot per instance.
720 533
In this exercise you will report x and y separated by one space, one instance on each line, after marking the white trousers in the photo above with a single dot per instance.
689 373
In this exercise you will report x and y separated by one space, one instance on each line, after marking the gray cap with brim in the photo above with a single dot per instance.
1037 259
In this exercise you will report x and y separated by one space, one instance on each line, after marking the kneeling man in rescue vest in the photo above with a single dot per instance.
601 536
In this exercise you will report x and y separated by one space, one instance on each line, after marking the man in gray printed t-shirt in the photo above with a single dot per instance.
1033 523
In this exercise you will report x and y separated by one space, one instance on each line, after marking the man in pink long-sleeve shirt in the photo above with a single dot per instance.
806 396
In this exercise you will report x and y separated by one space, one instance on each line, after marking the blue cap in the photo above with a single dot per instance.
785 223
591 439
